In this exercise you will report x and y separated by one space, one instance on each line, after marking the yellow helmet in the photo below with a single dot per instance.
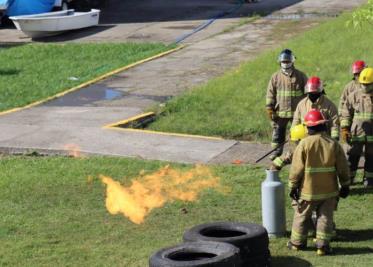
298 132
366 76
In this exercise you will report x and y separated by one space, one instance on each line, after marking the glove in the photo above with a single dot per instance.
271 114
346 135
274 167
344 191
294 194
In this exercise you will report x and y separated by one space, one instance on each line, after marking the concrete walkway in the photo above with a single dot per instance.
78 118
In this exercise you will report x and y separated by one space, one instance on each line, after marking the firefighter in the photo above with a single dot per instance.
285 90
315 99
353 85
349 89
319 166
357 125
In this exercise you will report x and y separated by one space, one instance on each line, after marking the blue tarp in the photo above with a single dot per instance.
29 7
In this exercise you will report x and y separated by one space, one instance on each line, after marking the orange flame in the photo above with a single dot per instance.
73 150
237 162
154 190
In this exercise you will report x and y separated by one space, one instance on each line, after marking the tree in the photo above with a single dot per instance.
362 15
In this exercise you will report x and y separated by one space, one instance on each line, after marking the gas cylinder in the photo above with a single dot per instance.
273 204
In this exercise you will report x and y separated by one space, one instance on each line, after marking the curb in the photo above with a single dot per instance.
46 152
117 126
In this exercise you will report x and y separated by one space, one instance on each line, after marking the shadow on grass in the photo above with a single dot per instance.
361 191
289 261
9 72
347 235
352 251
10 45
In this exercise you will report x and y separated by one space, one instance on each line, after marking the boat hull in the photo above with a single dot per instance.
53 23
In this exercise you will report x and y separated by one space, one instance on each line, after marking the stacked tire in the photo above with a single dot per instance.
218 244
251 239
197 254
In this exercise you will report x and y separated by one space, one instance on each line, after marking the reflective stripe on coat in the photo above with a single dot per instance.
327 108
357 115
319 164
284 92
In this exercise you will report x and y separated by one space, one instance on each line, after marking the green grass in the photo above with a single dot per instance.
233 106
51 216
33 72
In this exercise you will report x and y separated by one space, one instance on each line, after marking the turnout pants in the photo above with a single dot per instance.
354 152
324 222
279 133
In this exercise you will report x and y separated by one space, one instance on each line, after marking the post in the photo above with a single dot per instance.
273 205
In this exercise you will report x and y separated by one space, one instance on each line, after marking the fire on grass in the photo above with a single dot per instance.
154 190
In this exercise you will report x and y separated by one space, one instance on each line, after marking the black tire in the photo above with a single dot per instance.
197 254
251 239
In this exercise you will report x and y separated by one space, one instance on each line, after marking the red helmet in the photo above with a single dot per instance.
314 117
358 66
314 85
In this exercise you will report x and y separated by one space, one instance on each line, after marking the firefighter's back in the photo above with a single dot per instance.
320 155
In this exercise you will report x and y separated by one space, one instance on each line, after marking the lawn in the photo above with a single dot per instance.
32 72
233 106
53 216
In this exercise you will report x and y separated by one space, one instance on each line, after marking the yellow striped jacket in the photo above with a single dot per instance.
327 108
284 92
357 115
319 166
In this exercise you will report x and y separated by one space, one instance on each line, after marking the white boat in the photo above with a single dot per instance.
53 23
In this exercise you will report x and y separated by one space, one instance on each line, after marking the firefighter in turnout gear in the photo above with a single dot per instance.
347 93
285 90
319 166
357 125
353 85
315 99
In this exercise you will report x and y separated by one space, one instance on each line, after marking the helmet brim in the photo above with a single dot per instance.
315 123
